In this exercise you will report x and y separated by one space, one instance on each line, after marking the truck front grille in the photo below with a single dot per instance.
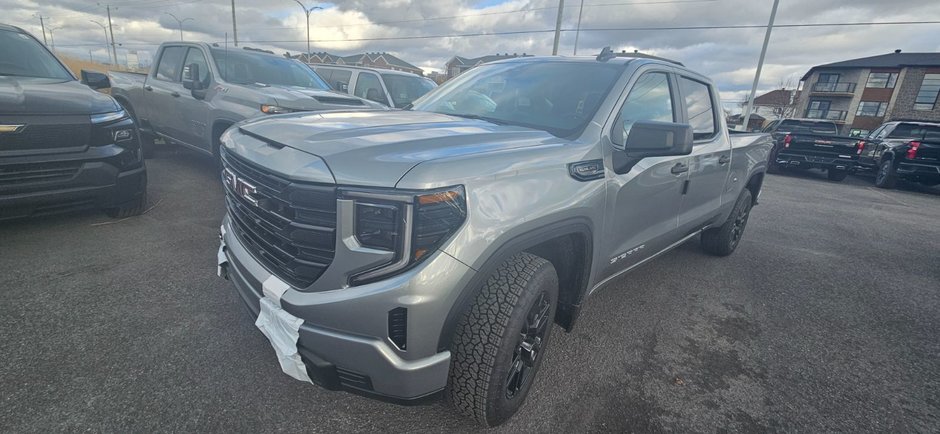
37 137
38 173
288 226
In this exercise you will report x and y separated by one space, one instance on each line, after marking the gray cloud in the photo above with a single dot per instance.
727 55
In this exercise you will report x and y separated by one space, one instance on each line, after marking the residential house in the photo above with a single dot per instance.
458 65
381 60
860 94
777 104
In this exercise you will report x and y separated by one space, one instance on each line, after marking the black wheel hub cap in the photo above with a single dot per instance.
737 228
883 173
529 347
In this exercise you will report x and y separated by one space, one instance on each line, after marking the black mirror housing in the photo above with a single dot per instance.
191 77
653 139
95 80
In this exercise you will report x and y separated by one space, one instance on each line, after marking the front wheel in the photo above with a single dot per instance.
723 240
500 342
887 175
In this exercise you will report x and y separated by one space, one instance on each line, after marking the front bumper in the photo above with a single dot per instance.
806 161
103 177
344 339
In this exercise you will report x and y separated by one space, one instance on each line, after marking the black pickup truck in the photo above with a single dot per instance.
812 144
63 146
908 151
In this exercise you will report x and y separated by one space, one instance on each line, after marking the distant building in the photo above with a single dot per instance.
458 65
777 104
755 121
373 60
860 94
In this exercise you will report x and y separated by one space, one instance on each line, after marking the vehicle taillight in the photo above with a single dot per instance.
786 141
859 147
912 150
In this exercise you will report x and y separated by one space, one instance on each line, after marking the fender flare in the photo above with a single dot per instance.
511 246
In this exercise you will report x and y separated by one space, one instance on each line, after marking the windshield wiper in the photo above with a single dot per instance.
481 118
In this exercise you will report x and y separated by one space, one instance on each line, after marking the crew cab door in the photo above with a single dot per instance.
711 155
193 113
643 202
165 89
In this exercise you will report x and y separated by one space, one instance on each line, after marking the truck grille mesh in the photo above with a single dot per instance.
290 227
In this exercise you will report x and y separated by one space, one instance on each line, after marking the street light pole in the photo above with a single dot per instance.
51 36
561 10
111 28
760 65
106 43
307 13
234 27
180 22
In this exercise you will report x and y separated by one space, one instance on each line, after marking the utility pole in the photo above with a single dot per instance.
106 43
577 33
180 22
561 10
90 57
52 37
307 13
745 120
111 28
43 25
234 27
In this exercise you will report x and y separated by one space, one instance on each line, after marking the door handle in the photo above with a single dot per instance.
148 88
175 94
724 159
679 168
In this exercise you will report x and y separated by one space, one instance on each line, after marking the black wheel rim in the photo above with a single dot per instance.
529 347
740 221
883 173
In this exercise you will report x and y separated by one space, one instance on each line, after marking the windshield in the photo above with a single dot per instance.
23 56
928 133
405 89
557 97
243 67
811 127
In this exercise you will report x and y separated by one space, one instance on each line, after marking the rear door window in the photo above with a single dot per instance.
171 63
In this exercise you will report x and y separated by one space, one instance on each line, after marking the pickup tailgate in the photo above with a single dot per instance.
927 153
822 145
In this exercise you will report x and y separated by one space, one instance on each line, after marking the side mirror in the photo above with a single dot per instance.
95 80
652 139
191 77
342 87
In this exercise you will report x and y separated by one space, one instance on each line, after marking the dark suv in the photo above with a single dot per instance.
62 145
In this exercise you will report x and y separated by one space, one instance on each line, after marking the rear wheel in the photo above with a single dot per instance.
887 175
837 174
500 342
723 240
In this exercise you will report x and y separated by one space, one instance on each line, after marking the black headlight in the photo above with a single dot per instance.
410 224
116 128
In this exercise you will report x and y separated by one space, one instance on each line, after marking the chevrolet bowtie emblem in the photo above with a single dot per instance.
11 128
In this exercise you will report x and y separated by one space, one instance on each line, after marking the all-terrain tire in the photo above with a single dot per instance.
723 240
486 348
129 209
887 176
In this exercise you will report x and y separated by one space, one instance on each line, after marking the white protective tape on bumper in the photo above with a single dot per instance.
281 329
221 255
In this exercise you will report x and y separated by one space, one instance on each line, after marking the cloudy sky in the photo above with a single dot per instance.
422 31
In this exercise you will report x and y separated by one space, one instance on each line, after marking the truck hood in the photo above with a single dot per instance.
377 148
312 99
45 96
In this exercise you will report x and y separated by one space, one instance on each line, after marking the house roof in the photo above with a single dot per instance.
891 60
473 61
390 58
778 97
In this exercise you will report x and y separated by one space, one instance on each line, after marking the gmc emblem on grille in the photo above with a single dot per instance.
240 186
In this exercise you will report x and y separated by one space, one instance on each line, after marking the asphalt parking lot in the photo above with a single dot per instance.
825 319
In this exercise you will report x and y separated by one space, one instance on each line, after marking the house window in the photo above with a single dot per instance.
882 80
828 78
871 108
927 96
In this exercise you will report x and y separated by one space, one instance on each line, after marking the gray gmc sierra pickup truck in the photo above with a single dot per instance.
194 91
416 253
